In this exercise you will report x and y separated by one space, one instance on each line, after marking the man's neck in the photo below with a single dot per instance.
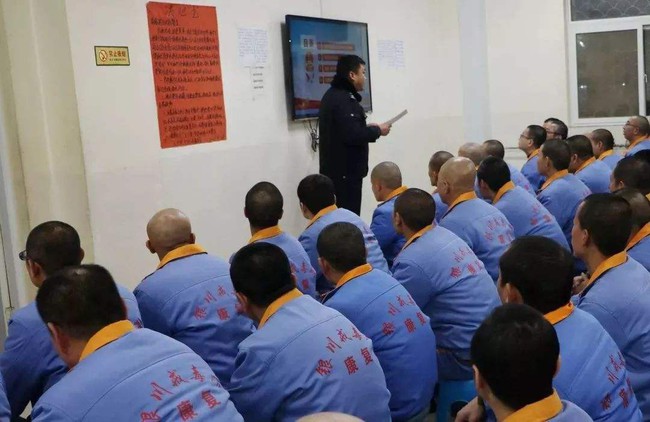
549 173
529 150
593 258
638 138
408 233
163 252
501 411
255 230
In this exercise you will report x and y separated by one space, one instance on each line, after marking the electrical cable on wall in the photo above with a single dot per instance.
313 134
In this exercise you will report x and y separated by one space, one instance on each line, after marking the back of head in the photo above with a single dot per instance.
634 173
520 266
316 192
643 155
537 134
416 208
580 146
558 152
54 245
261 271
80 300
347 64
342 245
516 351
264 204
605 137
639 204
495 172
560 128
168 229
473 151
608 219
388 174
494 148
438 159
642 124
460 173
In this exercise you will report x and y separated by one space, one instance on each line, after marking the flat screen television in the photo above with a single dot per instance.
315 46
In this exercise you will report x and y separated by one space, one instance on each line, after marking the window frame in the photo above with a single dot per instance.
573 28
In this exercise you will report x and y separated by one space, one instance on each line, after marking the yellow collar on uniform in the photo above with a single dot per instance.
560 314
586 164
321 213
606 154
277 304
417 235
394 193
505 188
639 236
354 273
467 196
635 143
540 411
533 154
266 233
611 262
560 174
181 252
106 335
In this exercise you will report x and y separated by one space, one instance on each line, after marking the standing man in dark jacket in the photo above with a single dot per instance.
344 134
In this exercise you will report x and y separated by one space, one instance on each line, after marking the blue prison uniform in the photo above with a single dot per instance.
592 372
441 207
29 363
483 227
618 295
530 171
595 175
190 298
637 146
389 240
550 409
324 218
610 158
136 375
520 180
562 194
450 284
401 335
639 247
300 264
527 215
307 358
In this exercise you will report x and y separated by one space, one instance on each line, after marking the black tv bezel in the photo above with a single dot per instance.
367 91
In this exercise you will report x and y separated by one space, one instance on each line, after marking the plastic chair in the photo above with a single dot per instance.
449 394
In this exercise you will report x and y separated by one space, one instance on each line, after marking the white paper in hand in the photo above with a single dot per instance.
396 118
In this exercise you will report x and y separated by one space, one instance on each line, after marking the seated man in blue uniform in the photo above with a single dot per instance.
530 142
527 216
382 310
636 132
516 354
318 205
190 296
304 357
618 290
631 172
593 173
437 160
445 279
494 148
119 373
264 210
638 246
386 180
562 192
602 143
29 363
483 227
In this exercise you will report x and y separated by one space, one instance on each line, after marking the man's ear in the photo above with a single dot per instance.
398 223
192 238
61 342
82 254
34 269
148 245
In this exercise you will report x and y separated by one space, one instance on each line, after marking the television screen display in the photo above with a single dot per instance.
315 46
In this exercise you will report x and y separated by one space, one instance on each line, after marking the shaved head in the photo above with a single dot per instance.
388 174
438 159
459 173
169 229
473 151
329 417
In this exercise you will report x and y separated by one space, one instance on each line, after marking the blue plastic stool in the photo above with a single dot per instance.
450 392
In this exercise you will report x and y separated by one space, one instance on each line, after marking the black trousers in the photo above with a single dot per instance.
348 193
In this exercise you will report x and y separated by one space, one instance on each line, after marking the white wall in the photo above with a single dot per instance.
129 177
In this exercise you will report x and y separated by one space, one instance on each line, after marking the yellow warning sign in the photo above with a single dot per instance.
112 56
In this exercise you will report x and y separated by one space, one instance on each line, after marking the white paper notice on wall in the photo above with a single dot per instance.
391 54
253 47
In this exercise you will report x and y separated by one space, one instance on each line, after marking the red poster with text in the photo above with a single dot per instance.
187 73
